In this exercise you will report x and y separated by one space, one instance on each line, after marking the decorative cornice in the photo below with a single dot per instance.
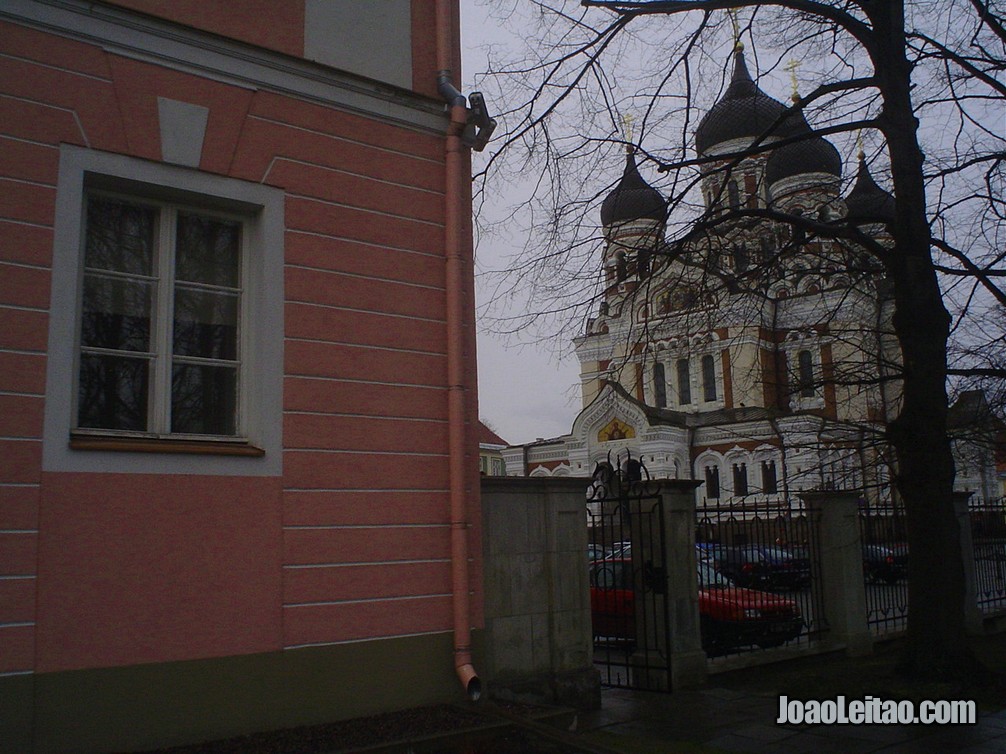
163 43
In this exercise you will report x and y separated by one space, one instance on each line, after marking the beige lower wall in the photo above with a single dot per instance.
151 706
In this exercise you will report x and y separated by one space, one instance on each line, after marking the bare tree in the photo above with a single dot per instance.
921 83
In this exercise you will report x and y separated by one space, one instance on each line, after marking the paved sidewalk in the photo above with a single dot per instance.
729 720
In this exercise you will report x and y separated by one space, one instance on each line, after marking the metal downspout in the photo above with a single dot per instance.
454 221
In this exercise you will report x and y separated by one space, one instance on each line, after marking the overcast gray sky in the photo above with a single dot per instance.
525 392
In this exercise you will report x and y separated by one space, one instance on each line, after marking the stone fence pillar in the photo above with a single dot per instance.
538 639
680 592
973 618
688 661
839 567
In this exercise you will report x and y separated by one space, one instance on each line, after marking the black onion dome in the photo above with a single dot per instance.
743 110
632 198
868 202
812 155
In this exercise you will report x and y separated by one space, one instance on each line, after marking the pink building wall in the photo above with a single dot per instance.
352 541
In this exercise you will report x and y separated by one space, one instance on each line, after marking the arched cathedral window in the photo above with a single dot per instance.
708 378
740 479
733 195
684 382
712 482
659 386
741 258
769 481
805 374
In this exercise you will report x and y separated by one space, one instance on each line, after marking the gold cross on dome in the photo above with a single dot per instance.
735 23
792 67
627 120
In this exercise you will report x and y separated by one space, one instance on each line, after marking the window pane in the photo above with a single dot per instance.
116 313
659 385
206 324
734 195
203 399
208 250
740 479
120 236
112 392
708 378
806 374
768 476
684 382
712 481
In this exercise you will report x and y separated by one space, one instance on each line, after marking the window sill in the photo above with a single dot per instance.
189 447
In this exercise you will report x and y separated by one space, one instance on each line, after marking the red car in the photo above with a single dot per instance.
731 616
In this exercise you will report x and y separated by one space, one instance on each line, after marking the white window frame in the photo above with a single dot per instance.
257 450
801 402
164 288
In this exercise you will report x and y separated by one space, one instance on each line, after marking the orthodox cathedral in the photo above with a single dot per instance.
754 353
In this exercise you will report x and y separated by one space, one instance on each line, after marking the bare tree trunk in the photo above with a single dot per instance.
937 642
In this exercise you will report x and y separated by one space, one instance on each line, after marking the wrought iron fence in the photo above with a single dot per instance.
885 566
766 557
988 533
628 577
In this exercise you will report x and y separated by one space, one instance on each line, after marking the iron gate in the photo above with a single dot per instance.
628 577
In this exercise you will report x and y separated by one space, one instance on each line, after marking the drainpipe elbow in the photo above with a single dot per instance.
448 91
470 681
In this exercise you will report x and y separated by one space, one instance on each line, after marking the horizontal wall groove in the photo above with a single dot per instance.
26 223
367 278
343 171
24 182
371 600
357 208
344 527
18 308
26 265
22 140
345 140
350 380
364 346
362 564
379 246
360 641
368 453
343 415
374 312
397 490
51 67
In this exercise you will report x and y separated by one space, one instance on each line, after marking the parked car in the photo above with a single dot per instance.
884 564
620 550
594 552
730 616
709 550
764 566
623 550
